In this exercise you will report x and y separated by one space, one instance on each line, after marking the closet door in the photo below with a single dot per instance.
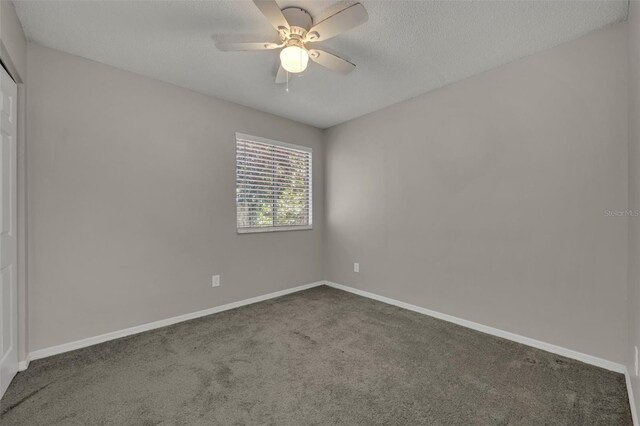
8 246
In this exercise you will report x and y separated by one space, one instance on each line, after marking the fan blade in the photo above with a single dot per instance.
281 77
339 22
333 62
243 46
272 12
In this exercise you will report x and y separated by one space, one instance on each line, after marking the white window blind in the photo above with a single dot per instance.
273 185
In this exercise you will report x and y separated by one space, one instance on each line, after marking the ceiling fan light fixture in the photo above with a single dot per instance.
294 59
296 28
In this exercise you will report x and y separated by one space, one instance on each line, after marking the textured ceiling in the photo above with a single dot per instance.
407 47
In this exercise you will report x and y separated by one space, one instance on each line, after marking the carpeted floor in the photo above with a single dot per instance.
318 357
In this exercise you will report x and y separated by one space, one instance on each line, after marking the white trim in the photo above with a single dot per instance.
245 137
83 343
599 362
274 229
632 401
589 359
23 365
569 353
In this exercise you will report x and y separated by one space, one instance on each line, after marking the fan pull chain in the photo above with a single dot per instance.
287 89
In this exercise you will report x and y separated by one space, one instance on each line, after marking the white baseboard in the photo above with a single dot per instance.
23 365
632 401
70 346
83 343
589 359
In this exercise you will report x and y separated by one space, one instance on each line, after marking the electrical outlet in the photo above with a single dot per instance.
356 267
636 360
215 281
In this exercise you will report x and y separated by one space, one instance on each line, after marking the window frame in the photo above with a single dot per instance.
263 229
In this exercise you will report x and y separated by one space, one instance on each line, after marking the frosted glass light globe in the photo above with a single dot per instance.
294 59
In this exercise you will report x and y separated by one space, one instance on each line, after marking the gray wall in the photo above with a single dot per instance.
634 192
12 40
131 193
13 53
485 199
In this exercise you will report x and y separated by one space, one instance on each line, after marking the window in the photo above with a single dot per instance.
273 185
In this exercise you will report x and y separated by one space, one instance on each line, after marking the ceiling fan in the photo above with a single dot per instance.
296 29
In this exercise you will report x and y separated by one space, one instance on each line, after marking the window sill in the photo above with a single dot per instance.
273 229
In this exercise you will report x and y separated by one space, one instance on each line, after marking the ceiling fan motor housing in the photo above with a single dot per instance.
299 21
